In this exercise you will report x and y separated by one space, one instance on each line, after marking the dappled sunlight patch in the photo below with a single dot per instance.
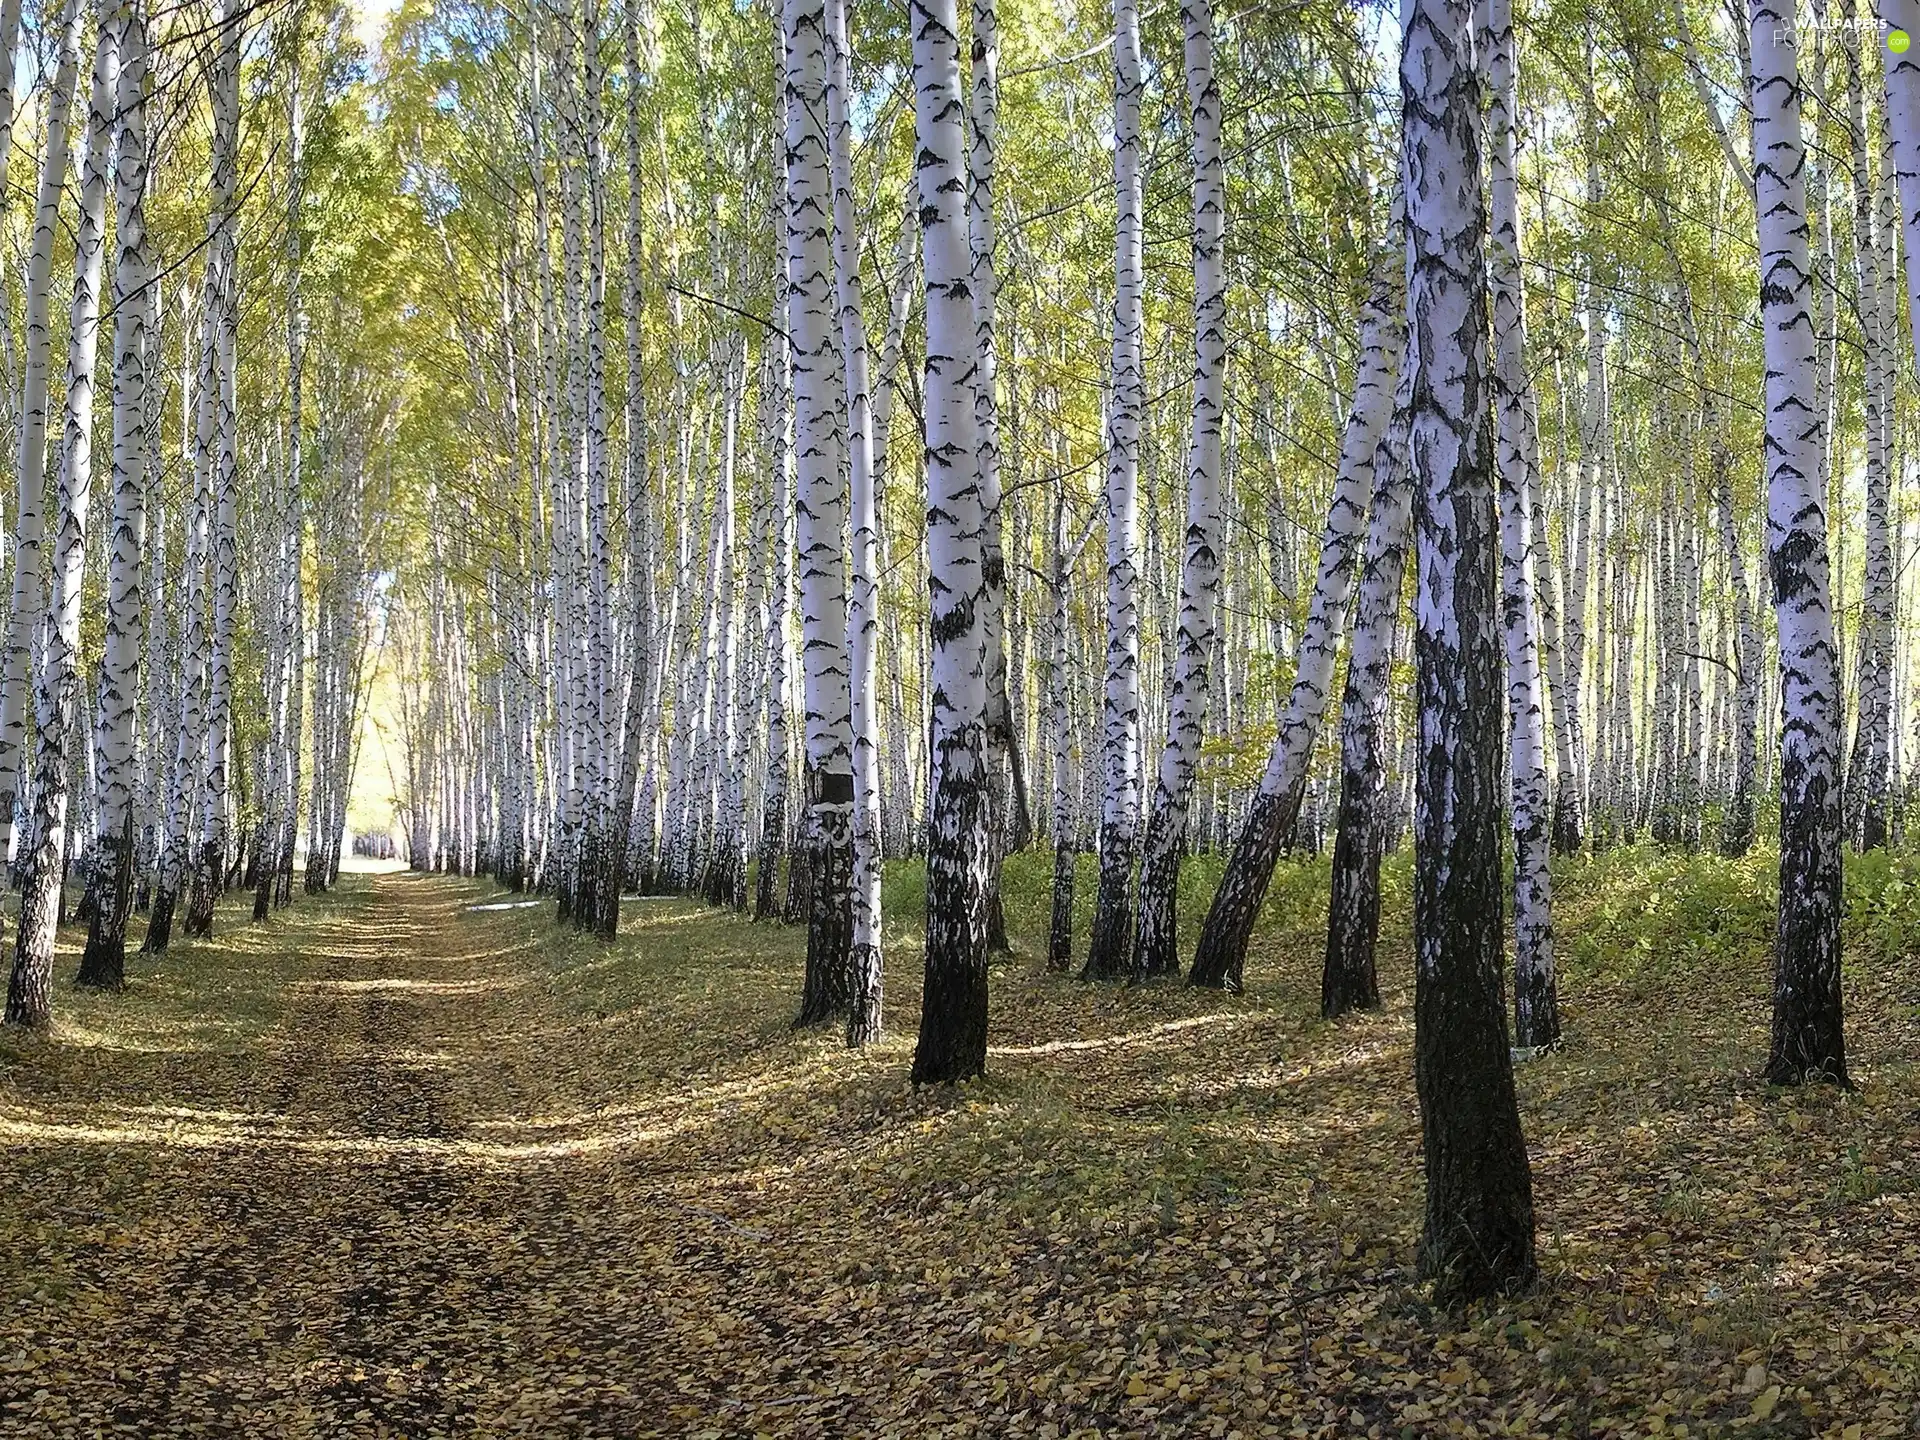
1114 1042
719 1095
415 986
182 1039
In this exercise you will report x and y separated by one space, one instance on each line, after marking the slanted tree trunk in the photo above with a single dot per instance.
1349 978
1220 958
1808 1040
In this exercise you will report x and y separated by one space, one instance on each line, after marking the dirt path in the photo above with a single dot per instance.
357 1222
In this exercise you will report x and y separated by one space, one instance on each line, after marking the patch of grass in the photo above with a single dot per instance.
219 995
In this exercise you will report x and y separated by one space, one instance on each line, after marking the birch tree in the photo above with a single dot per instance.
29 1001
1349 976
1154 934
1220 957
1478 1238
952 1044
219 440
135 291
1536 1007
183 780
773 805
29 593
1109 951
1868 769
1807 1041
640 618
820 513
863 1015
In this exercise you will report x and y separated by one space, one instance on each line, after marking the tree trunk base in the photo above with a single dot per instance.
1219 961
1566 826
159 923
1349 975
1060 923
103 965
1156 935
827 995
1109 947
863 1010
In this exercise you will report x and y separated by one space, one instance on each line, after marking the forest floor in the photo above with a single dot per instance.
409 1161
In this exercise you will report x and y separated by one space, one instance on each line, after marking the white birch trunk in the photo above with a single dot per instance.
952 1043
1536 1006
897 747
134 293
1155 938
599 676
639 733
1003 750
1807 1039
1220 956
864 999
820 514
773 802
1478 1237
191 628
1349 976
1109 950
1867 771
1061 693
218 440
29 988
1902 73
29 593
